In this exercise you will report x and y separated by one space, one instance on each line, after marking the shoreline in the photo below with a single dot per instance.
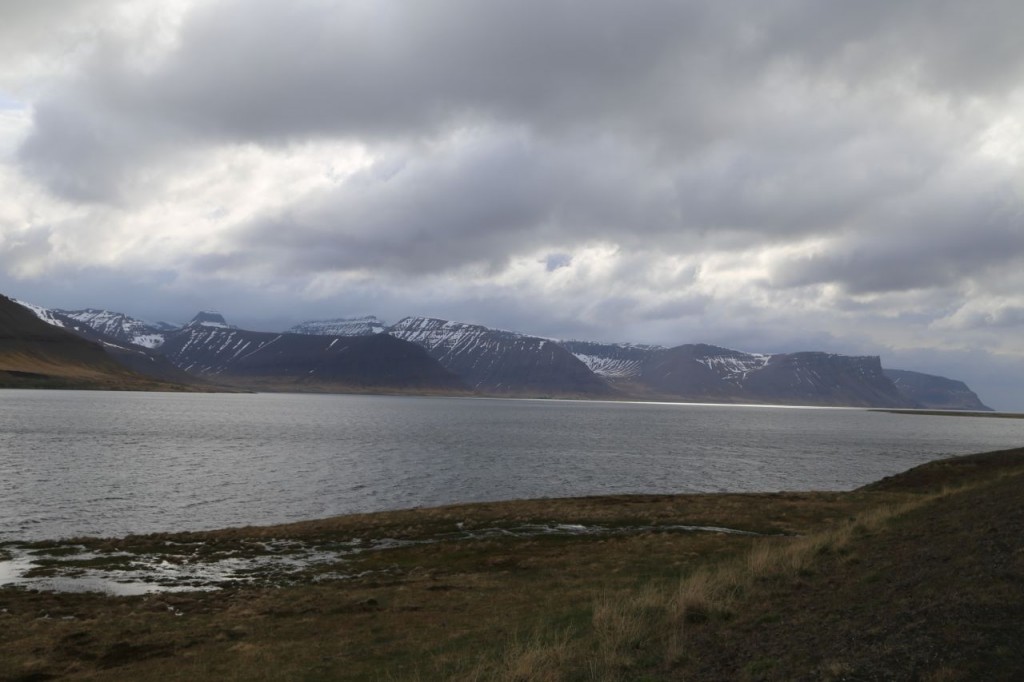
953 413
117 565
632 587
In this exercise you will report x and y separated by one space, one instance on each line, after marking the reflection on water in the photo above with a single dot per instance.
110 464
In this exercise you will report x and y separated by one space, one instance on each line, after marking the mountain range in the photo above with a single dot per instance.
428 355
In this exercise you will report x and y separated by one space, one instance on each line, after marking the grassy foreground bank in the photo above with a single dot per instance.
918 576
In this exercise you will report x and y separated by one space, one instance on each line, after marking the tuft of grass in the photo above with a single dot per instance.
645 628
540 658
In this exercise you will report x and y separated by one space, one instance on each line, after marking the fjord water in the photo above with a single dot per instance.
96 463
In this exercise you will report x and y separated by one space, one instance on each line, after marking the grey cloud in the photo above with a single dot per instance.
494 197
500 193
1009 316
675 75
426 218
28 25
944 239
90 153
20 248
676 307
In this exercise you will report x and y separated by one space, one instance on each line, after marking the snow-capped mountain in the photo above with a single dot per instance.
611 360
342 326
44 314
136 358
297 361
113 326
120 326
496 361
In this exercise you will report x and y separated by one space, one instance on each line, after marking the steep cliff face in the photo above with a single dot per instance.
709 373
494 361
935 392
826 379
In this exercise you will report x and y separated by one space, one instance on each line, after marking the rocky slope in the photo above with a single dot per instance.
141 358
265 359
501 362
38 353
118 326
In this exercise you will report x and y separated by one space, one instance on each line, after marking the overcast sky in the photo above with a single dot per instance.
769 176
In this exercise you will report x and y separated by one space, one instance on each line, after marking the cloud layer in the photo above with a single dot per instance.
774 176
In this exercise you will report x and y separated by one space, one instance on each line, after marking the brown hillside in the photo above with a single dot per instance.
34 354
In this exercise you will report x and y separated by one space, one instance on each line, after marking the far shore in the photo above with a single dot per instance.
954 413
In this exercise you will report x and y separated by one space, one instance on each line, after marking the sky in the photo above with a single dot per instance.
767 176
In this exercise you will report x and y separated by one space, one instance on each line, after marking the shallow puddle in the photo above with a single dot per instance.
179 567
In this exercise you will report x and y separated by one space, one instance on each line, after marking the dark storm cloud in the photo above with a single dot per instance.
727 124
675 75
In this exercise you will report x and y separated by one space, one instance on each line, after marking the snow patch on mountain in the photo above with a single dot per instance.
611 368
500 361
42 313
114 325
120 326
612 360
735 367
446 339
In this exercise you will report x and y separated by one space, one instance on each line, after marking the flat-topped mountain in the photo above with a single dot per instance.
342 326
209 318
701 372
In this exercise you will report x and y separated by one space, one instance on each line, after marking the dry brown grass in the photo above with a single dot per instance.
646 627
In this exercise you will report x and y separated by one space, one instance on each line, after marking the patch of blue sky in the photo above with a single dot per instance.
8 102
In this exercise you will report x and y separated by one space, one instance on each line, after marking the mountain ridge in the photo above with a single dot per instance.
45 353
488 361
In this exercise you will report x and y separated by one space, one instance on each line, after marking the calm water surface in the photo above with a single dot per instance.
91 463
